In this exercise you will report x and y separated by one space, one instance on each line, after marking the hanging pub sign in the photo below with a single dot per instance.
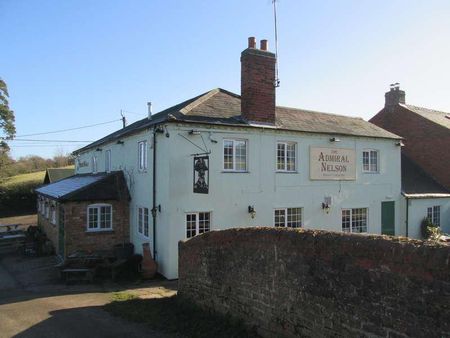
201 174
332 164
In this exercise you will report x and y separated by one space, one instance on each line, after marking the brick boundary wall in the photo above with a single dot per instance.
290 283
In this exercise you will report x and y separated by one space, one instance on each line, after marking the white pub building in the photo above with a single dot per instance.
222 160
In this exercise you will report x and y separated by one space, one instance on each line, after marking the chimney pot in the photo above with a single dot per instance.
394 96
252 42
257 84
264 45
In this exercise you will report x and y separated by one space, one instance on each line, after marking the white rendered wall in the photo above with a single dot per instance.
230 194
417 210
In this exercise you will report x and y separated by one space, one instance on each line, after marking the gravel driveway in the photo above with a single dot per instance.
34 304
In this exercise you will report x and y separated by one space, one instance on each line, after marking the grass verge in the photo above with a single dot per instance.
174 316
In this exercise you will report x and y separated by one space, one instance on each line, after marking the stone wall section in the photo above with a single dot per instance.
290 283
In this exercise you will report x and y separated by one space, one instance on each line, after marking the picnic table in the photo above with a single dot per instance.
85 265
8 227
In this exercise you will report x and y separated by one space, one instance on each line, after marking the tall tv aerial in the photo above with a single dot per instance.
277 79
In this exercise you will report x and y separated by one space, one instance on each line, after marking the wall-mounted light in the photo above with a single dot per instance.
167 132
120 142
194 132
98 149
252 211
400 144
335 139
326 204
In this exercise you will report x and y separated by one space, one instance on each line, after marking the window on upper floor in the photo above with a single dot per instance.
286 156
288 217
99 217
142 155
235 155
197 223
371 161
94 164
434 215
354 220
143 221
108 161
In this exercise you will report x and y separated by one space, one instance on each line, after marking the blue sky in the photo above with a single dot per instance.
77 62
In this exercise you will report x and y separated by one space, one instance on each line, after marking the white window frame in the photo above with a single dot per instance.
353 212
94 164
47 208
434 214
287 213
285 162
197 223
143 221
108 160
234 140
53 212
370 170
98 228
142 156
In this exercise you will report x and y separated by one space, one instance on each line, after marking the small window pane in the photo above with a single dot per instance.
281 156
140 220
228 155
346 220
280 218
290 157
191 223
241 156
93 216
146 222
294 217
203 222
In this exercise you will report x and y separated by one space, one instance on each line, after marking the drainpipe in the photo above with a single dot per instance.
155 208
407 215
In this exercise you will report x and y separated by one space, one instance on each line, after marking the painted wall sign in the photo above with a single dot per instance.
201 174
332 164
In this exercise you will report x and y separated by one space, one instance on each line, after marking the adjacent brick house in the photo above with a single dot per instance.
425 159
85 212
426 132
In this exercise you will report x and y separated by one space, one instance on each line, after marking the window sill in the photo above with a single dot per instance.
101 231
371 172
142 171
286 172
235 172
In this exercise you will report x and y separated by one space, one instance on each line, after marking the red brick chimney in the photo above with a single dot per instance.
258 83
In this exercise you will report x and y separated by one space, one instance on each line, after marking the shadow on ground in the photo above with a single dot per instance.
24 278
89 321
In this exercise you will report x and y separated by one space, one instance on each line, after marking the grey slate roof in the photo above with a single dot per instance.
438 117
69 185
221 107
100 186
416 181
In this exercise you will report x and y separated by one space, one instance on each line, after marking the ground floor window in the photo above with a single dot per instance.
354 220
53 212
434 215
99 217
288 217
143 221
197 223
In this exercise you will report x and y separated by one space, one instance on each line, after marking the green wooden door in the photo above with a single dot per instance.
61 219
388 218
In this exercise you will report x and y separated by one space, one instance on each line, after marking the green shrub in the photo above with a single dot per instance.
430 231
